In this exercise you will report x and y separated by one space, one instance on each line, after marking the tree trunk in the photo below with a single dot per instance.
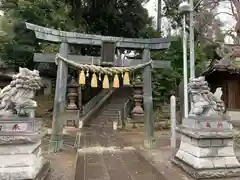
235 7
238 32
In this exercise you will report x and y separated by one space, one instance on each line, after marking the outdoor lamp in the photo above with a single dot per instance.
184 7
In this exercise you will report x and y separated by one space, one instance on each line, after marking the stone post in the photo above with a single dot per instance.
80 100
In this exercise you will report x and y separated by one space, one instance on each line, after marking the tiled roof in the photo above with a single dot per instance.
229 62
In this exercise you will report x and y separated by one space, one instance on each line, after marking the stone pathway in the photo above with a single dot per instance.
104 156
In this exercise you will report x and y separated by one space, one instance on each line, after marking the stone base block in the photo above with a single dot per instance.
150 142
208 162
45 172
207 153
207 173
137 118
39 172
72 115
21 162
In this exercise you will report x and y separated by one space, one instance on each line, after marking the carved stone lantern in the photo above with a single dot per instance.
137 112
72 94
71 115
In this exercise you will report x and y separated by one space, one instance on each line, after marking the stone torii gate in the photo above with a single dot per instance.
108 46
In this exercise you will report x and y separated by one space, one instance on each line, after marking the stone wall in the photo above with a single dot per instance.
234 115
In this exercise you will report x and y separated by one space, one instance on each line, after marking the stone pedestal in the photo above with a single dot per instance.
20 152
206 149
70 118
20 162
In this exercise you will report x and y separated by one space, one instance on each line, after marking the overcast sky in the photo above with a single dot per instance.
224 7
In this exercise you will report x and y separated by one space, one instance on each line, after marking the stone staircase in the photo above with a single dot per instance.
110 111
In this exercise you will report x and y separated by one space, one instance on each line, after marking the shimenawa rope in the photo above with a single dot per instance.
99 69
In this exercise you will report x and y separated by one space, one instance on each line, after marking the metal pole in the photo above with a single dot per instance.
173 121
159 16
185 75
191 43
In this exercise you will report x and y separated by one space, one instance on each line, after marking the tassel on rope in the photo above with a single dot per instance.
105 84
94 81
126 80
82 78
116 81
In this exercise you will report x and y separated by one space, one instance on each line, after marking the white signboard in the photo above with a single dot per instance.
16 127
20 127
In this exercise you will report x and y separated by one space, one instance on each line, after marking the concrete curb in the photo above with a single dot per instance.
66 131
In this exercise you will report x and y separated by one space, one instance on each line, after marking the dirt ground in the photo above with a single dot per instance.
63 163
160 157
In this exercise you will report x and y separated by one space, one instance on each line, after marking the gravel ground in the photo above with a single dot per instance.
62 163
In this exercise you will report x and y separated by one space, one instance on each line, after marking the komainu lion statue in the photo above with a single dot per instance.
16 98
203 102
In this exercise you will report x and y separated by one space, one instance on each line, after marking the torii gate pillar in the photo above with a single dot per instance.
150 140
56 141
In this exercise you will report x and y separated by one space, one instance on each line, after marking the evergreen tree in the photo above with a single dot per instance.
126 18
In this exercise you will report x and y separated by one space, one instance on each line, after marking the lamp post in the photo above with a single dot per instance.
191 41
184 8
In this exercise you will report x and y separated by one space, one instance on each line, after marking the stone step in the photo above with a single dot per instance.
111 110
39 170
110 126
118 99
19 149
107 113
106 119
114 113
17 160
115 105
110 113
